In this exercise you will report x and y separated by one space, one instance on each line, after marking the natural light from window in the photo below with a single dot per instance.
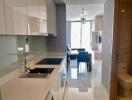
77 34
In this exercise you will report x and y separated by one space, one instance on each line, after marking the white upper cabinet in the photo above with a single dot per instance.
51 17
41 17
27 17
16 17
2 19
33 17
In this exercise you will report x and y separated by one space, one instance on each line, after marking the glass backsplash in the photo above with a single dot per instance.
12 47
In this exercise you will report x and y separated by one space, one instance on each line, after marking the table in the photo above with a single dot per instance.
72 54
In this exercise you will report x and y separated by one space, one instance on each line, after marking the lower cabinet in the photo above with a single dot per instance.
58 90
54 90
60 94
53 93
62 81
66 93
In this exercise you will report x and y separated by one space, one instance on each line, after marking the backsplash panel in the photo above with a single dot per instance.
8 45
9 60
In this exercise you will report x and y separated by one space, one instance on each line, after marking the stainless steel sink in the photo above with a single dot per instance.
38 73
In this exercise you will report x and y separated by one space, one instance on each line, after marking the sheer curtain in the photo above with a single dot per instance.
75 34
80 35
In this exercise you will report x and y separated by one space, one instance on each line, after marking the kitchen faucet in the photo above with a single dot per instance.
26 68
26 50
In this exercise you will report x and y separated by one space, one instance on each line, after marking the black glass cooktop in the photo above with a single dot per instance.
50 61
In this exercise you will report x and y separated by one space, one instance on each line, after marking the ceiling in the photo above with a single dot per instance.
74 8
59 1
84 1
74 11
80 1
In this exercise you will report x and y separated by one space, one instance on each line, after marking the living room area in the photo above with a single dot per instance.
84 34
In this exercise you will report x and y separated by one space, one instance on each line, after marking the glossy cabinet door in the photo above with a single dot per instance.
47 15
60 94
51 17
16 17
54 89
2 19
33 17
43 17
27 17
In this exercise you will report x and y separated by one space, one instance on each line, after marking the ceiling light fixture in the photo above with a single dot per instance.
83 15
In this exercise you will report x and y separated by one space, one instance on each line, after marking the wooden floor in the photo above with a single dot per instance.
85 85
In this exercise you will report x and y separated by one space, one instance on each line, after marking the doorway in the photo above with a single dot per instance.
87 84
124 85
121 79
81 35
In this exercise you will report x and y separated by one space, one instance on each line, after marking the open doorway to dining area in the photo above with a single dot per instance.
84 33
84 45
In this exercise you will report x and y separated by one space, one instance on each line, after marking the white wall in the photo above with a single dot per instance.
107 43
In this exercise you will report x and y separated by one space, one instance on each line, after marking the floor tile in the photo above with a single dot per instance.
85 85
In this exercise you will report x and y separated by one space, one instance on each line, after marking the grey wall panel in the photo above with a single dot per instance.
58 43
68 33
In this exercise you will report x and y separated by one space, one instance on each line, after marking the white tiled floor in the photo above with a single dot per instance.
85 85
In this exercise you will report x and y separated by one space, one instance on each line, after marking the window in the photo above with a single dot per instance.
80 35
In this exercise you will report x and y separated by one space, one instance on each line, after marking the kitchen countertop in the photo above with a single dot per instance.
31 88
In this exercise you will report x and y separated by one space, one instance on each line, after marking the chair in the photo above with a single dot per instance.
84 57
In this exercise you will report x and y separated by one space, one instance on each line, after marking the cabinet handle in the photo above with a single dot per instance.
29 32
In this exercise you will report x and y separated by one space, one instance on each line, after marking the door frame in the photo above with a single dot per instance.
115 55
